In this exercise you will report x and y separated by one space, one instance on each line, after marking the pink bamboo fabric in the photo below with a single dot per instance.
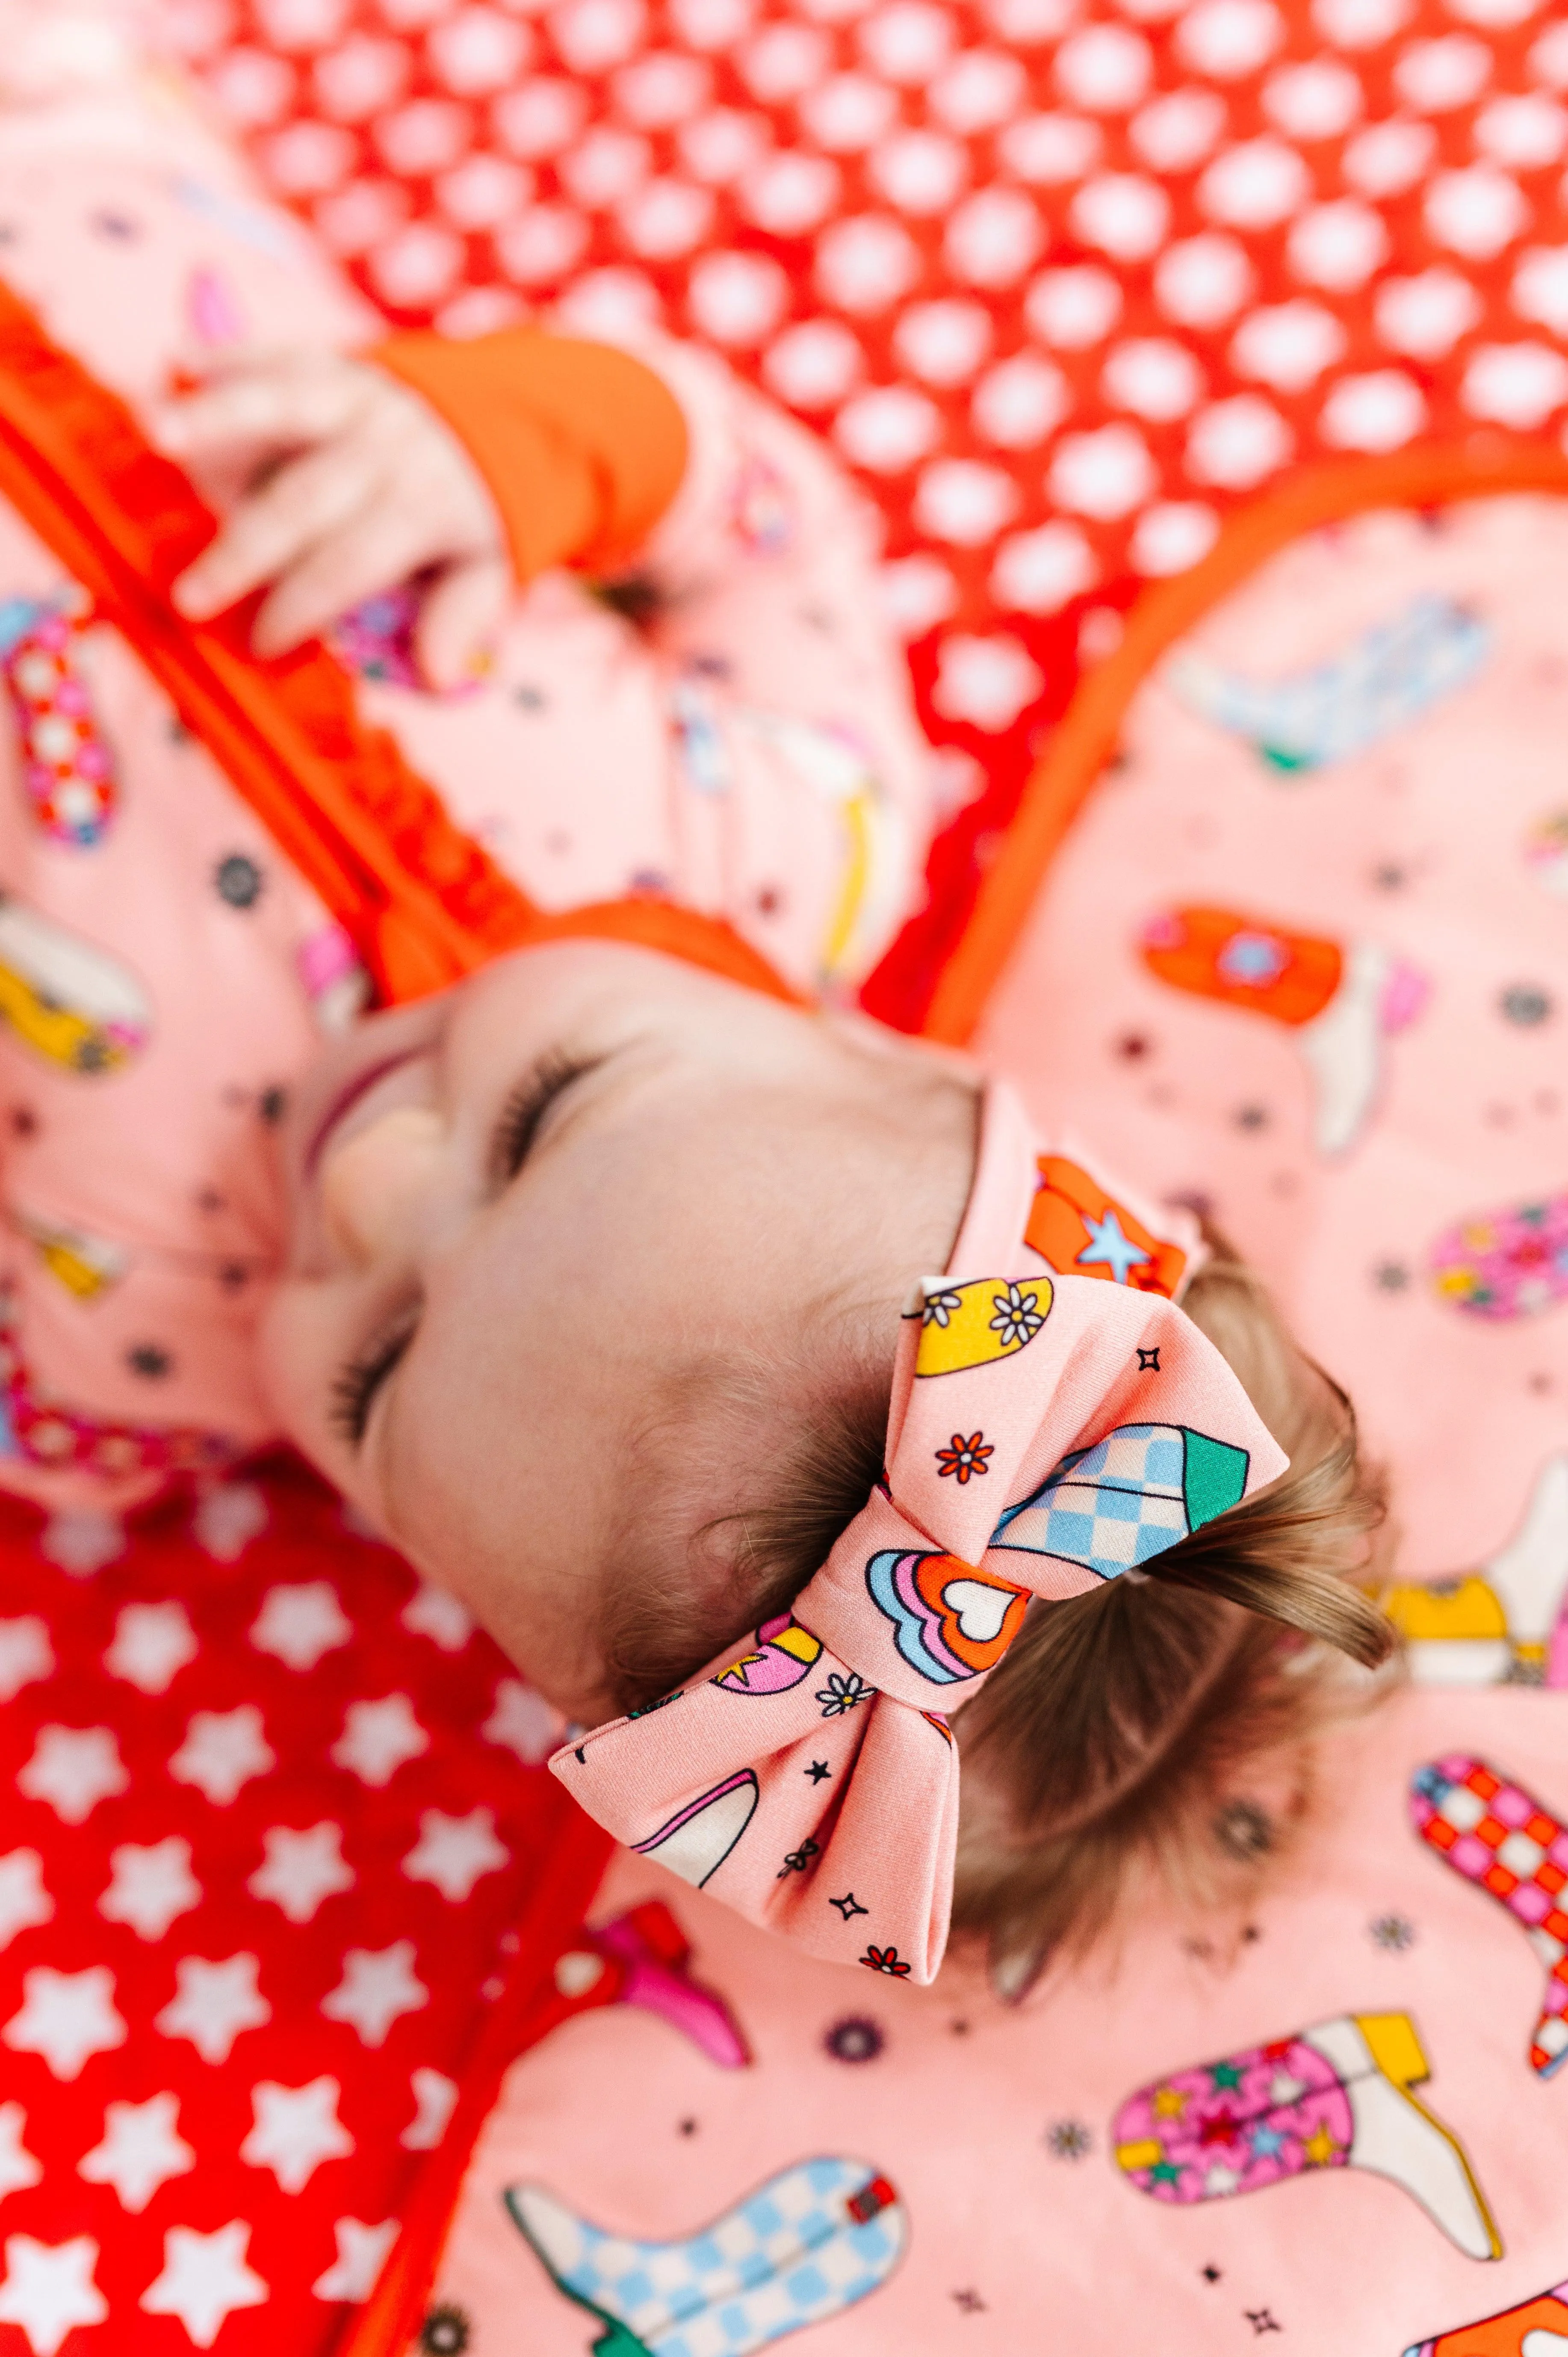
1047 1432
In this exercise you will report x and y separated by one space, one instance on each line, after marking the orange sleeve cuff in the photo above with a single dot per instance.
583 448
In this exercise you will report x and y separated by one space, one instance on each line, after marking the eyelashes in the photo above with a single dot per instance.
523 1113
355 1388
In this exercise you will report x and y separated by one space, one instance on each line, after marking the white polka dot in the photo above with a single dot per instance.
813 364
613 302
1037 572
1049 149
1177 130
1105 474
719 147
309 157
1339 245
483 191
1548 57
301 24
993 237
790 194
662 89
362 215
978 91
1517 385
593 35
1497 13
1121 214
848 112
1228 38
886 429
1388 157
417 265
985 681
411 16
920 172
783 60
1476 212
1168 538
711 23
1381 411
1105 68
963 502
1025 23
478 49
1361 23
1540 289
251 88
1425 316
1203 280
917 592
1018 401
542 245
477 311
908 42
362 77
665 218
1153 377
608 167
1237 443
1435 76
1254 185
424 136
1319 99
1287 345
1527 132
736 298
866 263
540 118
943 342
194 29
1074 308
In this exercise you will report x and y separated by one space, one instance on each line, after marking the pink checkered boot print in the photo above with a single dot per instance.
65 764
1494 1834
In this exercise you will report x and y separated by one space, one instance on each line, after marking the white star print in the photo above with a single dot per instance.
204 2279
48 2288
378 1986
434 2094
301 1869
525 1722
432 1612
152 1643
223 1750
377 1736
23 1902
152 1885
228 1517
454 1851
65 2017
141 2151
299 1624
1284 2087
26 1654
82 1541
18 2170
213 2003
361 2252
73 1767
296 2128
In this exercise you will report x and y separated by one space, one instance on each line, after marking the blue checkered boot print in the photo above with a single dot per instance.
1134 1494
809 2243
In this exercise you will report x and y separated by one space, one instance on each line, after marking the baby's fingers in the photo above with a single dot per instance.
272 529
271 403
376 547
460 620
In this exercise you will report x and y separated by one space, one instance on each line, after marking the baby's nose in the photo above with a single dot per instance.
376 1185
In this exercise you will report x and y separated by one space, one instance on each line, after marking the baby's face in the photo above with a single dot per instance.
522 1209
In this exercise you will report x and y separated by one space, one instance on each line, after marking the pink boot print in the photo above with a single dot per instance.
1494 1834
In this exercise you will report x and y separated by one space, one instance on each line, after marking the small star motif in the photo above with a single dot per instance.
686 2128
72 1769
153 1642
377 1986
1225 2075
152 1885
1149 1361
48 2288
1165 2172
1391 1277
1220 2180
1394 1934
1070 2140
1109 1246
377 1737
1266 2141
968 2303
1261 2320
1169 2104
434 2094
849 1906
141 2149
205 2278
1210 2274
221 1751
454 1853
295 2130
361 2251
212 2004
818 1769
66 2017
1319 2148
521 1720
299 1624
301 1869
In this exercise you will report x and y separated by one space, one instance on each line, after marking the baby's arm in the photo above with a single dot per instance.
491 459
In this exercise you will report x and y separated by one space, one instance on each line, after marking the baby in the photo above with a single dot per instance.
587 1282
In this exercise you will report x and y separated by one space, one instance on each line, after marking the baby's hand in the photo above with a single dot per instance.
353 485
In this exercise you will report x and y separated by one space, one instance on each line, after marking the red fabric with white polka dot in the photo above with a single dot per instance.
272 1810
1064 283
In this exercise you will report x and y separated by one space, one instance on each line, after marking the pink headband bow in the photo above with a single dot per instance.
1047 1432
